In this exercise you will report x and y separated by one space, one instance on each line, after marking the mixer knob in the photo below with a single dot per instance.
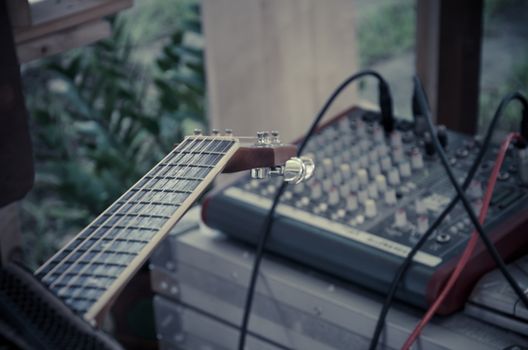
352 202
378 134
317 190
373 156
374 169
327 165
321 208
363 195
333 196
386 163
354 165
416 159
428 144
475 189
441 133
364 145
372 190
419 207
355 151
382 150
344 189
370 208
362 177
395 138
287 195
304 202
360 128
339 214
363 161
337 178
423 224
354 183
390 196
381 183
327 184
397 154
405 169
394 177
400 218
345 171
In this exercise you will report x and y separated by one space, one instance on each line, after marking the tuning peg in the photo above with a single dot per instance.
228 132
215 132
297 169
197 132
275 137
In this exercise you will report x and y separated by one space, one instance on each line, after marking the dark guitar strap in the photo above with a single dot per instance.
33 318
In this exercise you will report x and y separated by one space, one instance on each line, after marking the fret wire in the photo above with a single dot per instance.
48 265
181 146
228 144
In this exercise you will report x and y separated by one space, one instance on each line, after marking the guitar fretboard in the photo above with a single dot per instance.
120 239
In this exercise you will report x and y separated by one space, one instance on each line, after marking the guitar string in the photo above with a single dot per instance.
120 236
141 192
205 151
154 171
59 263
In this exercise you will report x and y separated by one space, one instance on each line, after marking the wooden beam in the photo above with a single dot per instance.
448 57
63 40
50 16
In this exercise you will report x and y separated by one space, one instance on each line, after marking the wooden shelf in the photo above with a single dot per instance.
46 27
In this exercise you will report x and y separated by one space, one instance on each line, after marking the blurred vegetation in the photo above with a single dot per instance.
386 31
103 115
490 98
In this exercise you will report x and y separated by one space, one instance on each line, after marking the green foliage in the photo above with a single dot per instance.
490 98
101 119
386 31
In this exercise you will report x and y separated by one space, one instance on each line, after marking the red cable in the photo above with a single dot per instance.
471 244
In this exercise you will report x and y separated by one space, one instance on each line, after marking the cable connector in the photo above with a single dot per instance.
385 102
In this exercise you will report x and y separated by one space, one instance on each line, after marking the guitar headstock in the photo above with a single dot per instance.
267 156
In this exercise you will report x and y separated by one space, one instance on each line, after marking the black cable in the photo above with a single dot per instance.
388 123
474 219
398 277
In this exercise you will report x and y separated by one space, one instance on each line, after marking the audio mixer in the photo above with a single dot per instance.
372 197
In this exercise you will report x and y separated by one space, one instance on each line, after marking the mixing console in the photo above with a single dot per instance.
371 199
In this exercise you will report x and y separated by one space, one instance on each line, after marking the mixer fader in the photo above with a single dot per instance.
370 200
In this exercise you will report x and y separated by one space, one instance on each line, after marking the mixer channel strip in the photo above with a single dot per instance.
372 197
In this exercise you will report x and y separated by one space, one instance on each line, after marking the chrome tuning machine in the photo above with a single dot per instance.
294 170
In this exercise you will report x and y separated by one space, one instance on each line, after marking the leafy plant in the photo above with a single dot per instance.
386 31
100 120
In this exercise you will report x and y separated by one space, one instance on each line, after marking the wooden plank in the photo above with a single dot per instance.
272 63
63 40
46 21
449 36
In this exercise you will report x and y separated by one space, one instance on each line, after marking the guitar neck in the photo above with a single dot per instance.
92 268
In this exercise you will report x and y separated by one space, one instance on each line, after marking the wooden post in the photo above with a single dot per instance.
272 63
448 56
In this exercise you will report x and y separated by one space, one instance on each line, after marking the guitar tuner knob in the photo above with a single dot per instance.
215 132
228 132
297 169
275 137
197 132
